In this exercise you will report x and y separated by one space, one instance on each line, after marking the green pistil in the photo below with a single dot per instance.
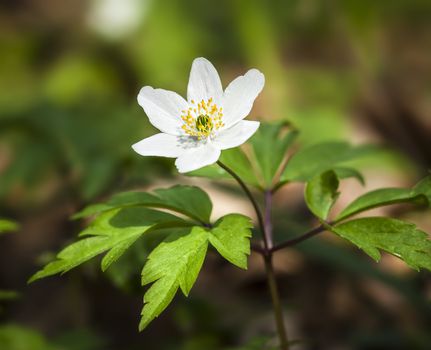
204 124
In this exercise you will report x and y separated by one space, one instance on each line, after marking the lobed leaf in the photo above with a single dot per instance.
396 237
421 193
175 263
231 238
112 231
321 193
270 145
187 200
316 159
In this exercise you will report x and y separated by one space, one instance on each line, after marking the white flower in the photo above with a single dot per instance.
195 131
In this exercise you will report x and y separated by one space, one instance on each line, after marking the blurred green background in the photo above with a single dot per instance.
69 75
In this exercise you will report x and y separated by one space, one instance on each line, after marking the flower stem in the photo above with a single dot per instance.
252 200
272 281
276 303
268 220
266 229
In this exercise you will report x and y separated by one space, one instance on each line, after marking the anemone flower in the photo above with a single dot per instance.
196 130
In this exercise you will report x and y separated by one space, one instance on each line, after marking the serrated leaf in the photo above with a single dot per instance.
115 231
396 237
321 193
231 237
187 200
7 226
127 268
421 193
116 252
270 144
236 160
316 159
174 263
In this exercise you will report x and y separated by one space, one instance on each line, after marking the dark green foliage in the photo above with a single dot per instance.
112 232
399 238
47 142
174 263
311 161
270 144
176 259
7 295
230 237
187 200
344 173
421 193
396 237
236 160
263 167
13 337
321 193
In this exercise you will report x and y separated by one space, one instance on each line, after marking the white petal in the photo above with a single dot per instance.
162 145
197 158
239 96
236 135
204 82
163 109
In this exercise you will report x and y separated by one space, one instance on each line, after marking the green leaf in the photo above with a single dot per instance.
396 237
236 160
314 160
231 237
174 263
112 231
421 193
7 226
270 144
424 187
321 193
187 200
344 173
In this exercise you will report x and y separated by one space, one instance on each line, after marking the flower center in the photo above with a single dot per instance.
202 119
204 123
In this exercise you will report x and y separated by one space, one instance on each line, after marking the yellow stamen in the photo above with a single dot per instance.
202 121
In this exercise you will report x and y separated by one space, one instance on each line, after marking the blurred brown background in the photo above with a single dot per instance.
69 75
